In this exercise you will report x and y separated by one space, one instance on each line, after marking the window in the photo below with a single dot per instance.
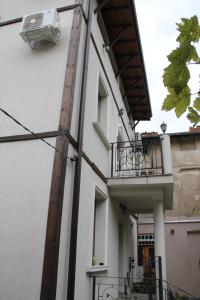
99 230
101 124
102 111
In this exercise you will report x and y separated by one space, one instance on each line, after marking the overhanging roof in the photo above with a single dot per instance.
122 32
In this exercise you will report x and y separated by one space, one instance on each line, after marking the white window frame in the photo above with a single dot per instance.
101 123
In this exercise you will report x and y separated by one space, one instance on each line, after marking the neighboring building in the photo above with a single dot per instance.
67 207
182 224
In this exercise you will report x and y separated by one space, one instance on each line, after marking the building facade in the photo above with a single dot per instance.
182 224
68 193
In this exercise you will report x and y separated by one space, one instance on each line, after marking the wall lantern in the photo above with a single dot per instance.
163 127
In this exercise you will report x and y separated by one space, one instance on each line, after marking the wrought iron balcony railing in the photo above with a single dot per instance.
146 284
137 158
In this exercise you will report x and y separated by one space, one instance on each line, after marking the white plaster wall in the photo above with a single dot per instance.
31 82
114 119
76 102
89 181
101 157
113 239
97 152
31 88
65 230
25 179
36 103
10 9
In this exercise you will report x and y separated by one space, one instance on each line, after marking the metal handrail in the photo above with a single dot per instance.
169 284
136 158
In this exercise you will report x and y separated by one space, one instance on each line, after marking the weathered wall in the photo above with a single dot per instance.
182 253
183 256
186 171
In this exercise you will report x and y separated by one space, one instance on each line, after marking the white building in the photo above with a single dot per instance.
67 211
182 224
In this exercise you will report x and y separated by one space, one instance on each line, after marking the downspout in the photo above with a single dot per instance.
134 221
77 175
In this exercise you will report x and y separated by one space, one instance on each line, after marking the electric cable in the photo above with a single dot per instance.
35 134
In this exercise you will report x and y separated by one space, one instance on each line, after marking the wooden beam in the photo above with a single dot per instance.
124 66
125 54
116 37
119 25
51 252
98 8
122 41
115 8
130 87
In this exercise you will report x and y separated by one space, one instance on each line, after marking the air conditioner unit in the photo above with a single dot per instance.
41 26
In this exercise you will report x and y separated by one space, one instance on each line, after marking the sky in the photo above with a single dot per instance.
157 23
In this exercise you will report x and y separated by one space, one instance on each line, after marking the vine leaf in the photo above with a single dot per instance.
170 102
184 54
189 30
197 103
193 116
176 76
180 102
183 101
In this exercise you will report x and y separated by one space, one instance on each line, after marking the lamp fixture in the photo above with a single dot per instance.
163 127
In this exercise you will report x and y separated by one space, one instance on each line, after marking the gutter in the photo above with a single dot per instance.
78 165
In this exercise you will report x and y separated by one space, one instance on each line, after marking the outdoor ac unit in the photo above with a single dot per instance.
41 26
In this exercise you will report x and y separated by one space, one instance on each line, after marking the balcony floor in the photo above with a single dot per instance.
139 193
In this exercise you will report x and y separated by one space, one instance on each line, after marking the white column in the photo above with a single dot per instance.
134 245
166 153
159 232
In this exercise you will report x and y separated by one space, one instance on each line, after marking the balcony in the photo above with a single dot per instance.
137 158
141 173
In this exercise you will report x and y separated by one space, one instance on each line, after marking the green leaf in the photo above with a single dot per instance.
194 55
183 54
170 102
180 102
189 30
183 102
197 103
193 116
176 76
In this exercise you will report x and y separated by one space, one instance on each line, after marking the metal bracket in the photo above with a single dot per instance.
140 98
74 158
98 8
127 62
133 127
115 39
131 87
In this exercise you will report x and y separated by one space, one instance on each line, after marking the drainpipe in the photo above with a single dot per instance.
133 220
78 164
